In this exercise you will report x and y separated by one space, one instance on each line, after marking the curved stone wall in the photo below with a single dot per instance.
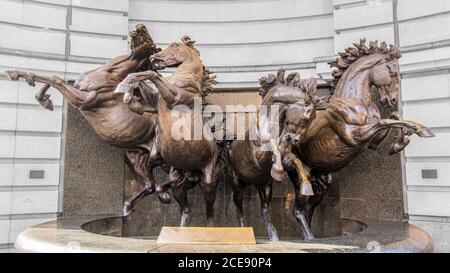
243 40
240 40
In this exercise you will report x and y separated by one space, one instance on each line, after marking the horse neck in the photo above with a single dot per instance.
355 84
122 66
190 69
260 156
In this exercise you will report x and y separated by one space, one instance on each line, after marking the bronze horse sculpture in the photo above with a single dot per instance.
352 123
253 164
193 161
115 122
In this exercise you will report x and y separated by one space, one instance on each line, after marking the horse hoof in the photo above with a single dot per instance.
123 88
47 104
306 189
127 209
184 220
29 79
164 198
397 148
12 75
425 132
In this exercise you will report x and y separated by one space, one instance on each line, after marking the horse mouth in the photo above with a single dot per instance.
385 98
157 63
388 102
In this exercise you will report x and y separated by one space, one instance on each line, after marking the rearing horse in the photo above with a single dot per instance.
193 161
258 162
115 122
351 123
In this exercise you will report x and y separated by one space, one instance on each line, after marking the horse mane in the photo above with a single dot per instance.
352 54
207 84
270 81
208 78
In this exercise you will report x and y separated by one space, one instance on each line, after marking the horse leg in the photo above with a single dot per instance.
172 94
299 210
209 184
154 160
379 138
367 132
180 195
265 195
137 162
321 184
291 162
137 106
176 178
74 96
209 193
238 198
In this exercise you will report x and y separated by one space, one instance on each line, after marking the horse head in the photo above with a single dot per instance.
142 47
175 54
296 117
142 44
386 78
295 99
366 66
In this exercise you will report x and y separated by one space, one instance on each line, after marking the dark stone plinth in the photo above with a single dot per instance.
93 171
150 215
97 180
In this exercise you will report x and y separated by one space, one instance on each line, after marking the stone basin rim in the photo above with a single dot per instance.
350 226
51 237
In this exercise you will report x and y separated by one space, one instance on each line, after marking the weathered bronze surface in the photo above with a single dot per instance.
114 121
192 161
131 106
251 164
351 122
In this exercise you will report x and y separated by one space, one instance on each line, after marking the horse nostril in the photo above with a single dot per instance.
394 100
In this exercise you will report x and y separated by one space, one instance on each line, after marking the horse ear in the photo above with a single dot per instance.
311 86
187 41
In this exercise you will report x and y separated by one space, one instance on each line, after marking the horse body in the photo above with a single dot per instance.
328 149
117 125
182 154
352 122
258 162
193 161
112 120
252 167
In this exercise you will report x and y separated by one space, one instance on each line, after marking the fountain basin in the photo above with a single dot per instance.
104 234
